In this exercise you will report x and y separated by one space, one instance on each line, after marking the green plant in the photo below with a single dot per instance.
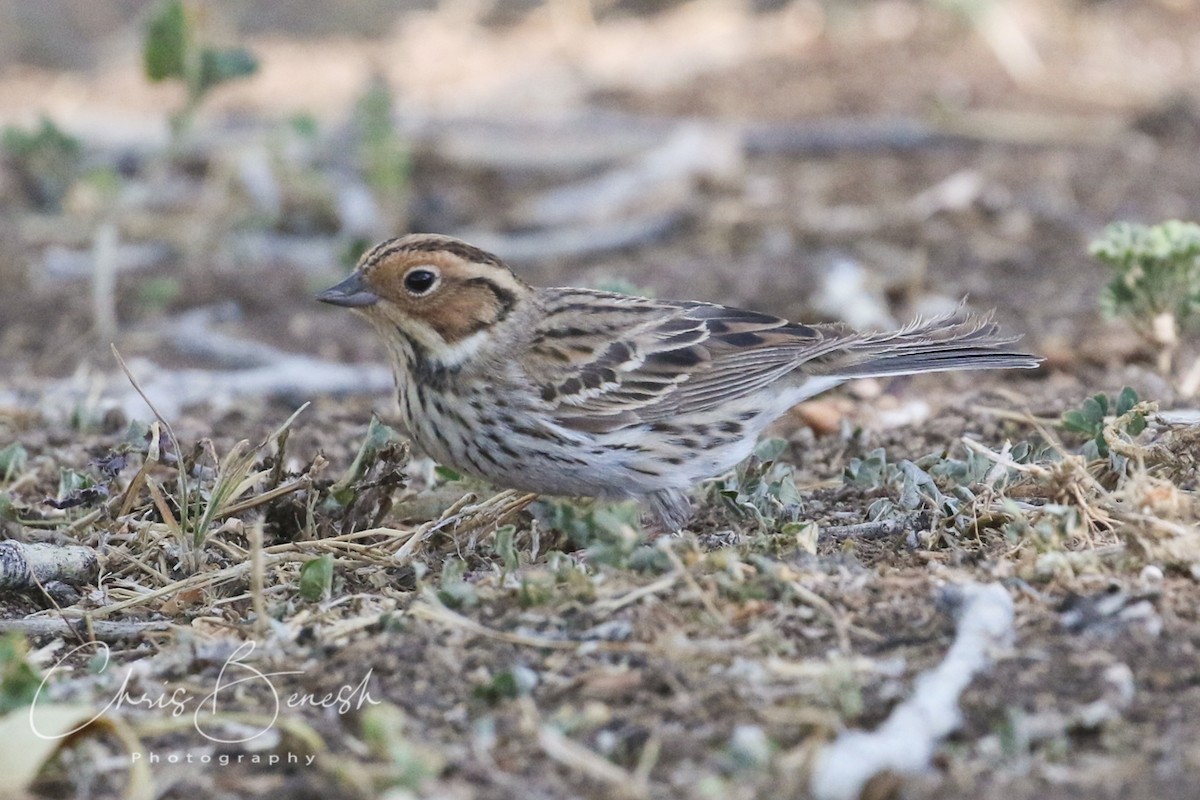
19 681
764 489
45 160
1049 529
957 494
1091 419
610 532
1156 284
455 590
379 461
316 578
507 684
410 761
12 461
174 50
382 153
157 293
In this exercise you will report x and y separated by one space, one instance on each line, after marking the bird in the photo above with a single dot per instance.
586 393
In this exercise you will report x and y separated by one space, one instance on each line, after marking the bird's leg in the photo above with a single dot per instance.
671 509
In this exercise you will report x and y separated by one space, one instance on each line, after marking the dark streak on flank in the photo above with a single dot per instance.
534 433
552 353
504 448
470 459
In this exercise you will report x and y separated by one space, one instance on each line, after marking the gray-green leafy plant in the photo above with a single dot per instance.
45 160
609 531
12 461
1156 281
763 489
1090 419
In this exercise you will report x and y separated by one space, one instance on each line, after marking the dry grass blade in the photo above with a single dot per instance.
182 477
573 755
151 459
257 579
193 582
705 599
432 609
613 604
462 516
164 510
299 484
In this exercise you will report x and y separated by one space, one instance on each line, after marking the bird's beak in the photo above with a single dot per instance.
351 293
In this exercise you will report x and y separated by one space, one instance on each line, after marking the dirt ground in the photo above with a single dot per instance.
516 650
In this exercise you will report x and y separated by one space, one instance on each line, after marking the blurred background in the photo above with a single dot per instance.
179 177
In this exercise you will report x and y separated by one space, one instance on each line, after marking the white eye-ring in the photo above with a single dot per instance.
420 281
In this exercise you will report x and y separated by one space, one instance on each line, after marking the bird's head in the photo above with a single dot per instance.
436 290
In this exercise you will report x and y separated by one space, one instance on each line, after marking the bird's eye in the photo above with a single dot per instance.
420 281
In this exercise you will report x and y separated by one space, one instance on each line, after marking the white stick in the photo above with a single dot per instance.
906 740
26 566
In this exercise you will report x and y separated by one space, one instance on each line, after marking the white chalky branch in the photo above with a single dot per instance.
907 739
28 566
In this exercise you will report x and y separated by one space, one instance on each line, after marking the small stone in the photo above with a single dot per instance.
1151 573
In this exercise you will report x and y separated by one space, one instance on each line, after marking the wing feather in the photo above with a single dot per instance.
625 364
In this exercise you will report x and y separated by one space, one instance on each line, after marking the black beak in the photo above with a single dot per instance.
350 293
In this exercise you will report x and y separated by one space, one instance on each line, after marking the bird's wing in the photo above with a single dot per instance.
601 361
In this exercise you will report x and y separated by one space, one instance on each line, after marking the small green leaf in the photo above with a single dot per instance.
18 680
166 42
505 547
12 461
305 125
71 482
1096 408
1074 420
507 685
1137 424
446 474
156 293
316 578
770 449
47 160
218 66
1126 401
378 437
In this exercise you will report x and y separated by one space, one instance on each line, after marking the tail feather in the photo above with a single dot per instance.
956 341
